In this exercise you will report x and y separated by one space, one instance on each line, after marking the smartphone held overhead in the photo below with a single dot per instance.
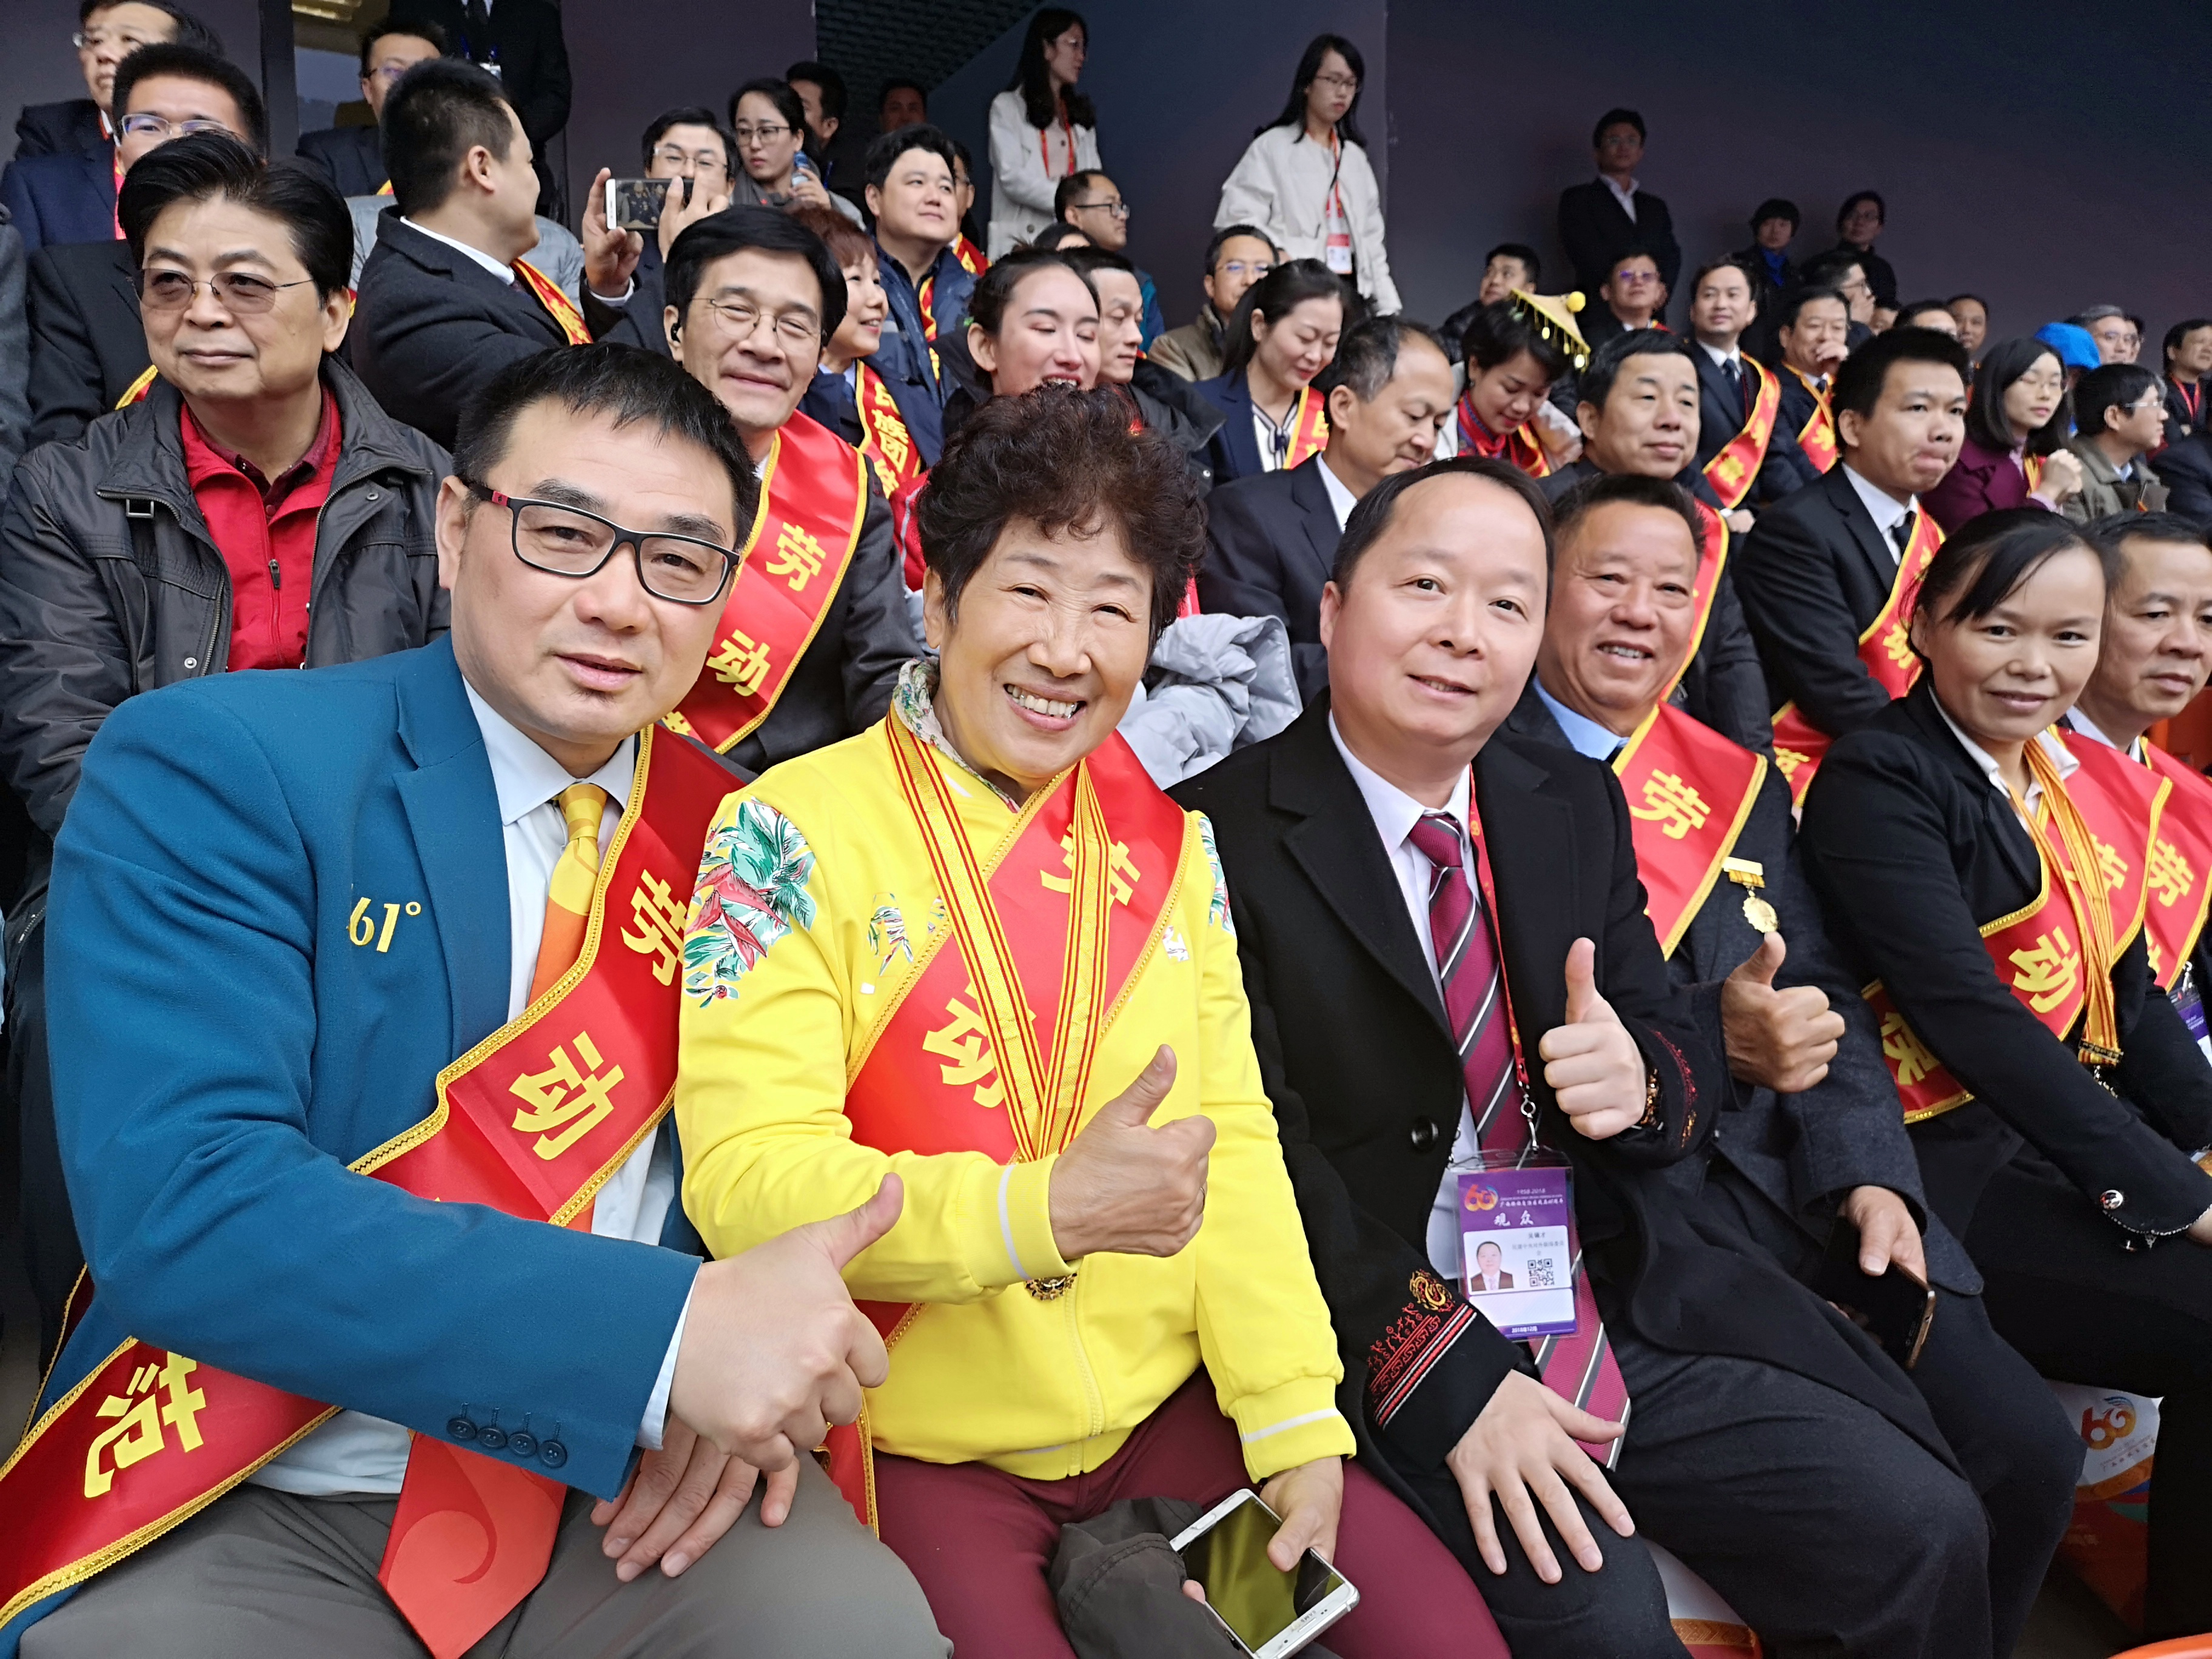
636 204
1271 1613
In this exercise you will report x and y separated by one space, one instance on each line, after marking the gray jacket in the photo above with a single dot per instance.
2104 490
111 585
15 351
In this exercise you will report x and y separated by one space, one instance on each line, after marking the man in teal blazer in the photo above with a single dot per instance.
226 1044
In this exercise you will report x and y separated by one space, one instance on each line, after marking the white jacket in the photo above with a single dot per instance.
1027 165
1282 184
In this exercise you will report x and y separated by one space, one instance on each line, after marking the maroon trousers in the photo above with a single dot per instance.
981 1542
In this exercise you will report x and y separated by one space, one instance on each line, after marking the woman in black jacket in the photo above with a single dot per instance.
2059 1106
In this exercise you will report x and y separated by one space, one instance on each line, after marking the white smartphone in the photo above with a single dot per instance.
1271 1613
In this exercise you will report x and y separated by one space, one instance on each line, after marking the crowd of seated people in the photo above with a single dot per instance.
914 926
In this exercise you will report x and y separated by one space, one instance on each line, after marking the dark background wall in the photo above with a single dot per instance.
2022 156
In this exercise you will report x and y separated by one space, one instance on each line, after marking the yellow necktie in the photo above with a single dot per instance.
568 896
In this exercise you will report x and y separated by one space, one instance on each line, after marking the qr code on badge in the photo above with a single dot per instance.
1542 1274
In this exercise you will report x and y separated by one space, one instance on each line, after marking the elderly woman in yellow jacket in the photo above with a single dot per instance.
976 947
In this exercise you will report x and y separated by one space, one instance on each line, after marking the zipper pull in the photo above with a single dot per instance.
276 575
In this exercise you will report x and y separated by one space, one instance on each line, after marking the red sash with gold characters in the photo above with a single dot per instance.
533 1121
1732 470
2055 954
2180 873
1817 437
549 295
990 1046
1515 448
970 256
1885 648
1309 428
1690 791
814 493
884 439
1713 559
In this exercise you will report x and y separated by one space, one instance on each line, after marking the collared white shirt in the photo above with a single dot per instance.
1395 813
2067 764
1720 359
1587 737
357 1453
1625 198
1340 500
2087 727
504 273
1887 510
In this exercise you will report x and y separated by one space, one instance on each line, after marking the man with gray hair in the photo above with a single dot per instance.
1271 539
2118 340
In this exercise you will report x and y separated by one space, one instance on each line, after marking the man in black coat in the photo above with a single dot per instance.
352 158
1795 1158
108 32
1730 386
521 43
1639 414
443 304
1820 565
1270 540
87 346
1434 619
1603 219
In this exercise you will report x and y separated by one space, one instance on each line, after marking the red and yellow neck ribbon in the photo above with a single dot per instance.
1516 448
1309 428
563 309
1817 437
2178 868
1732 471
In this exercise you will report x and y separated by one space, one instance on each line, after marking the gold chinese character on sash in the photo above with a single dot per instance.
660 915
2048 973
1730 468
138 1436
739 663
1672 804
797 556
895 447
2110 861
966 1049
1788 760
1897 642
1908 1057
567 1098
1120 871
2170 875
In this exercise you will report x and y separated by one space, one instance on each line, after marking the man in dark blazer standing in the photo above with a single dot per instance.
521 43
352 158
445 300
1603 219
1270 540
1369 1050
108 32
1819 566
1809 1137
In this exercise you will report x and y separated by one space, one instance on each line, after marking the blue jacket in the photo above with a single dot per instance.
60 198
222 1050
903 358
1235 449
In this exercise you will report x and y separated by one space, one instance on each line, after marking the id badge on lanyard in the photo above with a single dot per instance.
1517 1225
2188 1003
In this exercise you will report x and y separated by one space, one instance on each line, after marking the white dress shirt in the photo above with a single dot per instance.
1720 359
506 273
1340 500
355 1453
1396 813
1887 510
2067 763
1625 198
2087 727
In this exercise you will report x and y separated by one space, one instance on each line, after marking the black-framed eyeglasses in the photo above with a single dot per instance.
566 541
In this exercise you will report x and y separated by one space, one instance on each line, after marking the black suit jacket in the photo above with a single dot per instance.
2185 466
67 197
1366 1082
1233 452
1797 406
1765 285
1724 685
1721 411
1913 851
1595 231
72 127
1270 545
1804 1151
526 44
352 158
1815 572
431 326
1880 276
87 346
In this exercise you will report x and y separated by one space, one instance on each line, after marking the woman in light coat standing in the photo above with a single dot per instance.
1043 129
1305 180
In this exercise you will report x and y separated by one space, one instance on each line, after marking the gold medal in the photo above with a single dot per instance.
1751 877
1759 913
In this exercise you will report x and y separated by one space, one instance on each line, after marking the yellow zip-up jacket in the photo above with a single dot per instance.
987 1371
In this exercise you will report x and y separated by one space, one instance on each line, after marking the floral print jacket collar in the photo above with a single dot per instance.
913 702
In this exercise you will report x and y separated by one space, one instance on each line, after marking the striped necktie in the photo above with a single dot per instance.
1581 1367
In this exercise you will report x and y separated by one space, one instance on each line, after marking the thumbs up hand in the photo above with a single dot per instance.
1125 1187
1592 1064
1780 1040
